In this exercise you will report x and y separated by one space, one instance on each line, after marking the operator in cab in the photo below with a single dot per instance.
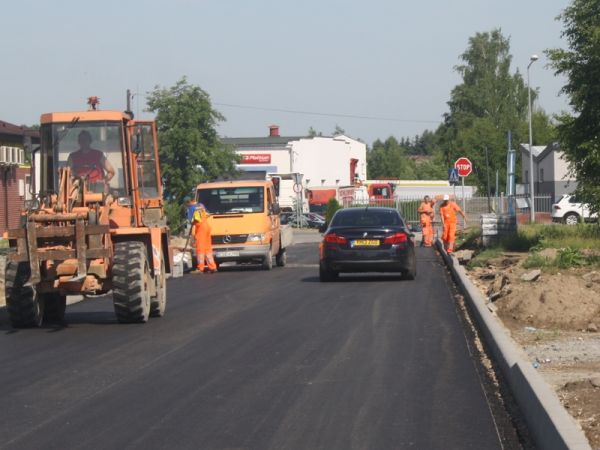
91 163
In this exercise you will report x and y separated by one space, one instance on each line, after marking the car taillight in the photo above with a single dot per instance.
556 206
397 238
333 238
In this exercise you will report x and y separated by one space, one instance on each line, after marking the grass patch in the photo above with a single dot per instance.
520 242
537 261
483 257
580 236
468 238
577 246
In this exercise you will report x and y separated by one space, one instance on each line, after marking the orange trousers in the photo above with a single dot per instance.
427 230
204 252
449 236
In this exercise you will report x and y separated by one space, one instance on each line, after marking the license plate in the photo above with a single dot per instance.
227 254
365 243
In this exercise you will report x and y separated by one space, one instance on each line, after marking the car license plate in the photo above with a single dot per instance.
365 243
227 254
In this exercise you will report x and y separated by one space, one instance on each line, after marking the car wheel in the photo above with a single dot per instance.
411 273
267 263
571 218
327 275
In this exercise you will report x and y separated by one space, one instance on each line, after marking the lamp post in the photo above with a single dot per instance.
532 59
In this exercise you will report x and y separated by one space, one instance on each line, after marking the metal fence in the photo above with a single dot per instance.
473 207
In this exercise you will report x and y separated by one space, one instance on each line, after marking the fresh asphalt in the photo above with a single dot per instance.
250 359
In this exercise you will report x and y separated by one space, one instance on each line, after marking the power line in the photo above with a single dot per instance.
313 113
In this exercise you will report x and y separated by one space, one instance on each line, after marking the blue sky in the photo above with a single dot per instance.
389 59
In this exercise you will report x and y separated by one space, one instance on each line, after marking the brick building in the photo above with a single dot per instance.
15 179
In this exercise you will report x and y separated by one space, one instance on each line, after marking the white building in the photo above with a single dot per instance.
550 171
321 160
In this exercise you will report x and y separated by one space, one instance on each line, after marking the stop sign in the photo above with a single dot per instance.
463 166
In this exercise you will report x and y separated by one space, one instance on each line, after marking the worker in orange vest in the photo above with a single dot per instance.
426 215
202 235
448 212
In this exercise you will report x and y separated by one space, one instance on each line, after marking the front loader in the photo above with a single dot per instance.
96 222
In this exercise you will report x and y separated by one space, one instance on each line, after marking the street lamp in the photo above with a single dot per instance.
532 59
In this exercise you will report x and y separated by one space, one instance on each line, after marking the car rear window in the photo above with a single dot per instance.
366 218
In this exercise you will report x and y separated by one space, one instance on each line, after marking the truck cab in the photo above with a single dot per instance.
245 221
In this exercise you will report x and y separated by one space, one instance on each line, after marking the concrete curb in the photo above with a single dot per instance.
550 425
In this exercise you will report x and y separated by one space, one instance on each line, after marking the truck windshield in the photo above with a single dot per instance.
90 148
232 200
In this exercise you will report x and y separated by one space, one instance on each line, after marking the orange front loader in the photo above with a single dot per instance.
96 223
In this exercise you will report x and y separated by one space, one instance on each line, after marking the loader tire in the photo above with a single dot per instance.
131 279
24 305
54 307
158 303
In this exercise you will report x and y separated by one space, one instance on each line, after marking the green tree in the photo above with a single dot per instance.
338 130
488 102
332 206
388 160
579 134
314 133
190 149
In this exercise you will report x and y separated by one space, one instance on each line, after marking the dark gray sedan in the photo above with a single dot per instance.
367 240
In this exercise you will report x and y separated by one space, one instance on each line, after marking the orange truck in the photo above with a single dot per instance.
319 196
245 222
96 223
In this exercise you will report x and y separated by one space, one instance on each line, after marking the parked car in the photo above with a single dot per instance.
367 240
307 220
570 211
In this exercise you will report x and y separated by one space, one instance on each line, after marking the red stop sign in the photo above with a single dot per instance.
463 167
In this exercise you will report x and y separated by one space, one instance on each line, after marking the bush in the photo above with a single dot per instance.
332 206
569 257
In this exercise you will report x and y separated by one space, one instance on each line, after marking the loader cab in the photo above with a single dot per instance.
112 155
89 148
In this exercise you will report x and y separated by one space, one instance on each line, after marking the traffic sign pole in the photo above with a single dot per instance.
464 168
463 194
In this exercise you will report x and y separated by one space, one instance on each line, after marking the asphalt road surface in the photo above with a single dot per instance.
250 359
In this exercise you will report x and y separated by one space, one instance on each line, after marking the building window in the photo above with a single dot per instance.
541 175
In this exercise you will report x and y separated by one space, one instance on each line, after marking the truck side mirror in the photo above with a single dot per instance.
275 181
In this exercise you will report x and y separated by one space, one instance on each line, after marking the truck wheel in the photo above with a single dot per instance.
24 306
54 307
131 278
158 303
268 261
281 258
571 218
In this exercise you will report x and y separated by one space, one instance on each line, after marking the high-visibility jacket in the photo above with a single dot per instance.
202 234
448 212
201 231
426 212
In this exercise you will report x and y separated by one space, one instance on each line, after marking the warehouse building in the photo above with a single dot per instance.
318 160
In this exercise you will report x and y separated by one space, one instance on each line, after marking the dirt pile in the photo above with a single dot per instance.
555 316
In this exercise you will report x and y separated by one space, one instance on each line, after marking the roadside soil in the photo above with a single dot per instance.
556 319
